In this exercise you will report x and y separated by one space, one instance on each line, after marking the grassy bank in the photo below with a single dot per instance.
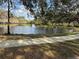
31 36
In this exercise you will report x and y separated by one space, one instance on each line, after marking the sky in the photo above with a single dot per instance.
20 10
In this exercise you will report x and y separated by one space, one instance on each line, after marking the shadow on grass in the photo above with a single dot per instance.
30 36
62 50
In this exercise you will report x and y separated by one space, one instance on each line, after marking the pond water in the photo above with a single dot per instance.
32 29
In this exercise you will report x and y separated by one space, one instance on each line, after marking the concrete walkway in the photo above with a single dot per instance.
36 41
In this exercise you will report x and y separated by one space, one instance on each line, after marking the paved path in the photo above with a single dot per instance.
36 41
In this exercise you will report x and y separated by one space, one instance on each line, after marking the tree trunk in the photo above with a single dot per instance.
8 17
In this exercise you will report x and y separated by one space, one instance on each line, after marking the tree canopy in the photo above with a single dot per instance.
49 9
43 5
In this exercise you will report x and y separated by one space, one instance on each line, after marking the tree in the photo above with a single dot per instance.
40 8
9 4
58 6
8 16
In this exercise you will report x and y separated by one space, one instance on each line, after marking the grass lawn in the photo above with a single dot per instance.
64 50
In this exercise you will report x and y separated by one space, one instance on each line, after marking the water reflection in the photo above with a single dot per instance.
34 30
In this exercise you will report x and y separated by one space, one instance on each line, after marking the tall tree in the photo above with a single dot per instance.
58 6
9 2
8 17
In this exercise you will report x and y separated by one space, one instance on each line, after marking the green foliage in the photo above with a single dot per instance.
49 23
2 1
65 1
49 15
37 21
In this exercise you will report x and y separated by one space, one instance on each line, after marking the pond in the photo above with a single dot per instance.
32 29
